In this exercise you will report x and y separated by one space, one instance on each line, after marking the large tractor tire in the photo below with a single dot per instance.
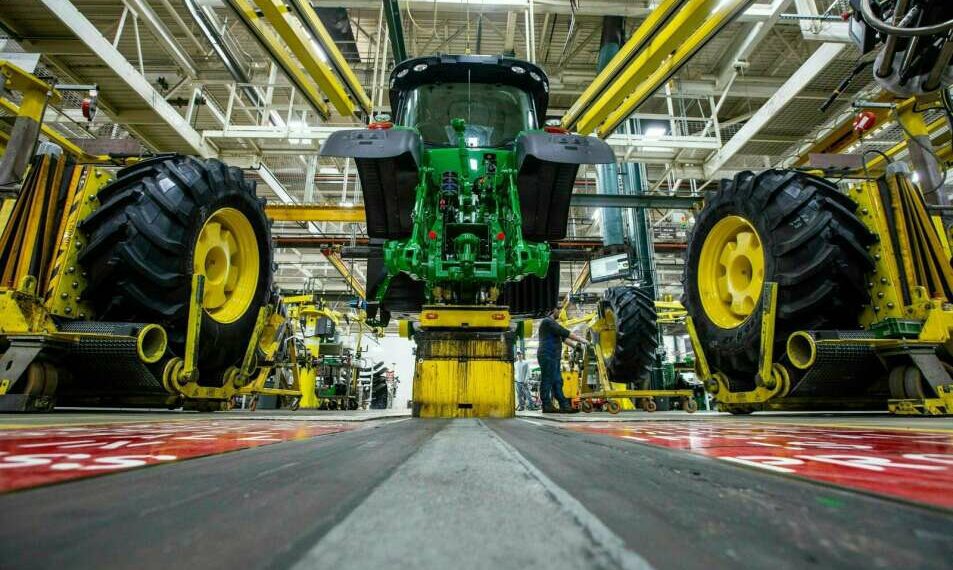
783 226
160 222
631 336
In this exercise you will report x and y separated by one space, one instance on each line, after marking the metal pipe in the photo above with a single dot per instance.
942 62
395 30
167 40
876 23
218 46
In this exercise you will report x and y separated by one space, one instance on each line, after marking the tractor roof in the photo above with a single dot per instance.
489 69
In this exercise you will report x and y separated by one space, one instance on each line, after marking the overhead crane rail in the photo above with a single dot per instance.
288 40
665 41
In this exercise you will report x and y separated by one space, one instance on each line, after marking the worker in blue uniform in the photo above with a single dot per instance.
551 337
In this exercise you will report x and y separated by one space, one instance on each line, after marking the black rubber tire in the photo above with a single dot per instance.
636 333
815 249
533 297
404 297
141 241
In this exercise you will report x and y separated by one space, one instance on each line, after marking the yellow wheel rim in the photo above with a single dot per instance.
226 252
731 272
607 338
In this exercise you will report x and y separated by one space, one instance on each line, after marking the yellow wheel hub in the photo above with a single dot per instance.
731 272
226 252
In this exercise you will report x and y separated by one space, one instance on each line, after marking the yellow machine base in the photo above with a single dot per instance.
464 374
464 389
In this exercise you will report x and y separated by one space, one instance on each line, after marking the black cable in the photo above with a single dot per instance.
876 23
947 100
844 84
880 152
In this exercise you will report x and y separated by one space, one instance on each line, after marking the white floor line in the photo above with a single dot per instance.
601 534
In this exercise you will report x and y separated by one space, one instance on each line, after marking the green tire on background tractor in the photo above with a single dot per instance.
161 221
788 227
631 340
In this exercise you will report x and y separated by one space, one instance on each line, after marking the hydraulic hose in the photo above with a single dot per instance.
876 23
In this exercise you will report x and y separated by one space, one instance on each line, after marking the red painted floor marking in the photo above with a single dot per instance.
912 465
31 457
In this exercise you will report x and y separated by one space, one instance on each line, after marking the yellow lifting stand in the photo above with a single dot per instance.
464 363
616 399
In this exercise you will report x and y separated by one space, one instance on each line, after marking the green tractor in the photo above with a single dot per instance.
464 189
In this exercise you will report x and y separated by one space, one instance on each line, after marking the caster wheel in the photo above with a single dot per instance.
613 407
649 405
586 406
691 406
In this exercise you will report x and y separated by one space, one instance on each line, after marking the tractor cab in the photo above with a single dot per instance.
497 98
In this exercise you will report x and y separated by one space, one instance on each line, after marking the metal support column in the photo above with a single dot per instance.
607 175
395 30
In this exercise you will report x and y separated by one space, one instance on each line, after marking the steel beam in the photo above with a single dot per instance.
294 36
352 281
273 45
313 213
625 8
660 201
815 64
655 20
166 40
335 57
747 43
661 59
664 42
88 34
840 133
819 30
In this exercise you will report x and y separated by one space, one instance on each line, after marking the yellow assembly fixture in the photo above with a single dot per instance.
464 366
899 333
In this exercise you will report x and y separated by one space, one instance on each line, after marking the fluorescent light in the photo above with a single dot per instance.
655 132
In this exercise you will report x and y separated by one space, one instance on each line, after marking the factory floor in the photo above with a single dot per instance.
341 490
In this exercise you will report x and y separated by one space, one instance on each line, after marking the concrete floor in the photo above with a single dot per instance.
389 491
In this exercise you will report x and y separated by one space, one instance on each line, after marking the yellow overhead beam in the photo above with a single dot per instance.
313 213
309 17
843 134
876 165
719 14
299 42
335 258
648 63
274 46
640 37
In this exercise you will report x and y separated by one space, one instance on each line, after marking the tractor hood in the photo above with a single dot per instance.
487 69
